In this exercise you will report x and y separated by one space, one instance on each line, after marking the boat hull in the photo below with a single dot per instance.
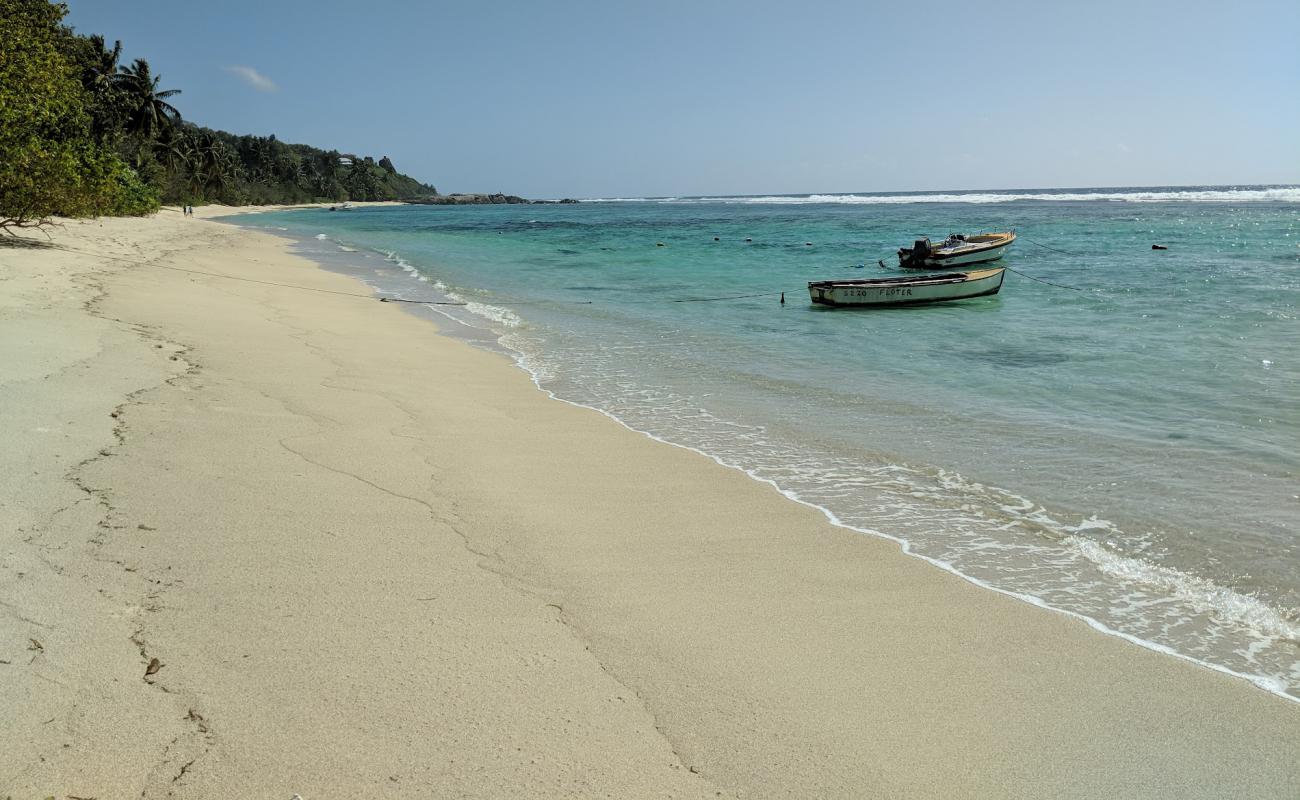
903 291
962 259
977 254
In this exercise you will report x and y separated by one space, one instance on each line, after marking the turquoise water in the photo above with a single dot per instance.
1125 450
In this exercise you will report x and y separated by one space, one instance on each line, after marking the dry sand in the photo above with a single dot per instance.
374 561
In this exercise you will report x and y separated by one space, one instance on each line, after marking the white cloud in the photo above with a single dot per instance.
253 78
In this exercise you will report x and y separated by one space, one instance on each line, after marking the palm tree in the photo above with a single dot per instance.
150 111
103 71
215 168
99 74
175 149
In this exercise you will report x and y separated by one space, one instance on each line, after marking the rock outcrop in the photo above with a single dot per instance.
469 199
481 199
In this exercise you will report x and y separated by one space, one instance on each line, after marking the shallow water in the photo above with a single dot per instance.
1125 449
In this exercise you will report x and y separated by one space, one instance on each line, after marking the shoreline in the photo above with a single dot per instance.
1259 682
1264 682
754 648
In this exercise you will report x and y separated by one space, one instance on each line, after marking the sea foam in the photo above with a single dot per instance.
1281 194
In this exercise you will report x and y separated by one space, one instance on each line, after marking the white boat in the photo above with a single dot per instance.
902 290
956 250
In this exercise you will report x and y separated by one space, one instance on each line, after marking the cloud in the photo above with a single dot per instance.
253 78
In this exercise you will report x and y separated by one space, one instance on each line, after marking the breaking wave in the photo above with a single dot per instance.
1220 194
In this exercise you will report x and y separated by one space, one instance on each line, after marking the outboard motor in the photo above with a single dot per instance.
915 258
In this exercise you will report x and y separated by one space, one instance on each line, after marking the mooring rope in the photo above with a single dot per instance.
1049 247
724 297
1040 280
1039 244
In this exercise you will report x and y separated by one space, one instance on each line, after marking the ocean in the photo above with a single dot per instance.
1116 435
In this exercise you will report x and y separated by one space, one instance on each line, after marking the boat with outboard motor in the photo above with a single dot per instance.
902 290
957 250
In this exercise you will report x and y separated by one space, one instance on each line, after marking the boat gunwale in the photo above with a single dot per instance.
906 280
916 302
1004 240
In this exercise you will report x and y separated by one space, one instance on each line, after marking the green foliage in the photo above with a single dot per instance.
205 165
49 161
148 112
82 134
97 65
132 197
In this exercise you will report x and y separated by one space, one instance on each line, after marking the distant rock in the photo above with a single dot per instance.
469 199
476 199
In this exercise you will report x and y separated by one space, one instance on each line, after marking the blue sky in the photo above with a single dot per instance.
609 99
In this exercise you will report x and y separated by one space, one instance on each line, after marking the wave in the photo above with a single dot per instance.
1278 194
1059 566
501 316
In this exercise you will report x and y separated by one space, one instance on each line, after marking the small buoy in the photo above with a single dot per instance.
1158 247
782 298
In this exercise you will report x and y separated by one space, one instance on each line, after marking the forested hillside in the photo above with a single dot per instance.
82 134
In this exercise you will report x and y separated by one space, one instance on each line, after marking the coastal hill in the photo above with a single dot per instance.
82 134
201 164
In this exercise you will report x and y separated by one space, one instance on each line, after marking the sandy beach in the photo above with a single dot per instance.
262 535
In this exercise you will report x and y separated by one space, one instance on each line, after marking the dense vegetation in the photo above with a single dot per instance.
82 134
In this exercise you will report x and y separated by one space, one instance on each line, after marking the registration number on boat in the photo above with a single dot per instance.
897 292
